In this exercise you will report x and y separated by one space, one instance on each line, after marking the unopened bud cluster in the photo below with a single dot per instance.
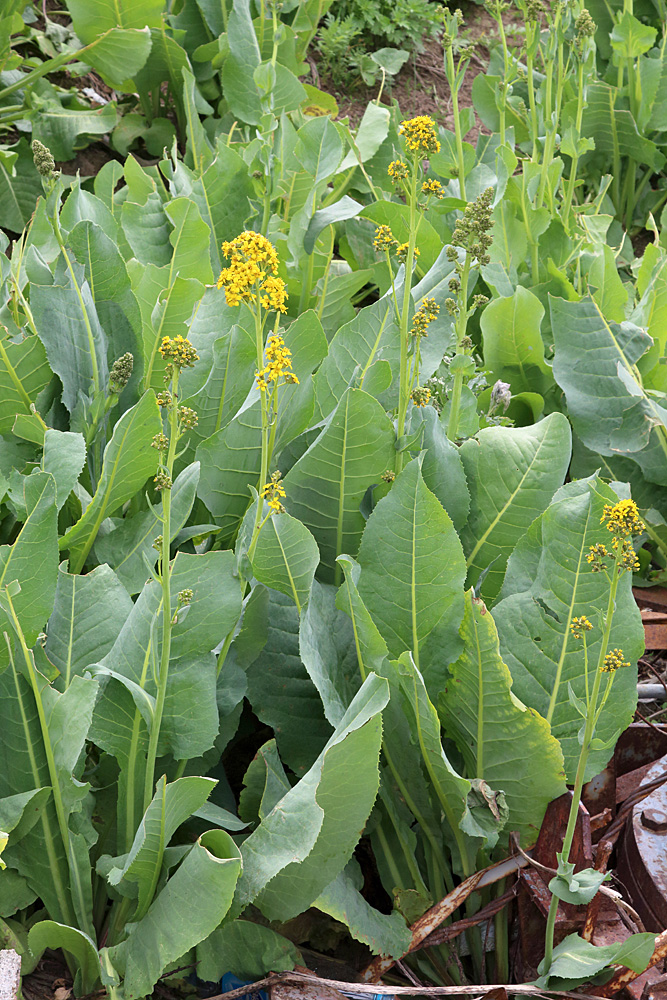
120 373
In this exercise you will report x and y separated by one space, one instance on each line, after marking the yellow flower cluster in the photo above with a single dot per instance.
427 312
596 556
433 187
253 269
579 626
420 135
273 294
614 660
384 239
398 170
273 493
623 519
179 351
278 365
402 253
628 558
420 395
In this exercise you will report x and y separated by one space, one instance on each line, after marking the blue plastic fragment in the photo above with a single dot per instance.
231 982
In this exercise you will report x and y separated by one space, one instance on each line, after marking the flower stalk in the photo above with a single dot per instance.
623 522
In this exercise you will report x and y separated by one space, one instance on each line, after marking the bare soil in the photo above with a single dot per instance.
421 87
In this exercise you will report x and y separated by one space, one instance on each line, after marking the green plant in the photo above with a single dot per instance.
286 535
403 24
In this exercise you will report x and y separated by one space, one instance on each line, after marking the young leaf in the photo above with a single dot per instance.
286 557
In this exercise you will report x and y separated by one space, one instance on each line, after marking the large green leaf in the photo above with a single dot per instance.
129 460
110 287
91 17
280 691
60 312
356 349
326 486
136 874
32 560
24 372
548 583
119 54
51 934
230 377
78 635
54 862
65 129
130 546
319 148
308 838
247 950
222 194
64 457
594 364
231 461
450 788
512 475
503 743
513 345
413 569
441 467
19 191
614 130
384 933
327 648
187 910
190 239
190 716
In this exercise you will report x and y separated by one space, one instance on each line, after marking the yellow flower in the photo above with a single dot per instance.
398 170
402 253
596 556
427 312
179 351
252 270
420 135
433 187
384 239
623 519
579 626
613 661
273 492
278 365
273 294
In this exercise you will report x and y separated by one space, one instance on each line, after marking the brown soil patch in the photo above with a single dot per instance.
421 87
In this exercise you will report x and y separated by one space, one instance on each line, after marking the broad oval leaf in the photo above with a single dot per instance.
512 475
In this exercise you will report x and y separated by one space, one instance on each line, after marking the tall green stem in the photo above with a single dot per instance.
404 334
592 715
453 86
167 623
461 327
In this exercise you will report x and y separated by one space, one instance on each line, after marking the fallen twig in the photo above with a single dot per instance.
435 916
520 989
